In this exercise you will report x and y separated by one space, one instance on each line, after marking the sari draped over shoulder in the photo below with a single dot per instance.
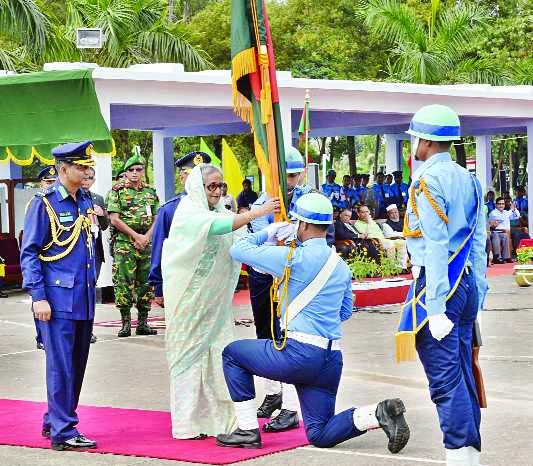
199 279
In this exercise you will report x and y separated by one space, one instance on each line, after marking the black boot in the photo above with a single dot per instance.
142 325
285 420
125 331
240 439
269 405
389 414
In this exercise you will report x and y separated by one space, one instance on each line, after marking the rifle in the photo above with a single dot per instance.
476 368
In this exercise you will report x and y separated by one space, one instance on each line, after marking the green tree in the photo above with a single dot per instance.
135 31
435 49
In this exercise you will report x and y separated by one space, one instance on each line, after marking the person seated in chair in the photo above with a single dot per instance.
500 227
347 238
368 228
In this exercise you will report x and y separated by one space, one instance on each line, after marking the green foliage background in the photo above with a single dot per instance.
323 39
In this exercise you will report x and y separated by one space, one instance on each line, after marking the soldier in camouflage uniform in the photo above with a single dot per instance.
132 208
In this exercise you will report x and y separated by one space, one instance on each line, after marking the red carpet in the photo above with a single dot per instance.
133 432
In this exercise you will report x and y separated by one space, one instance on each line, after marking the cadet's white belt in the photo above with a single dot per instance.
315 340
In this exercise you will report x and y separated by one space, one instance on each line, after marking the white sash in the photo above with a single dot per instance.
313 288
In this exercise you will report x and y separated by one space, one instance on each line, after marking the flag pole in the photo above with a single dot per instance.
306 111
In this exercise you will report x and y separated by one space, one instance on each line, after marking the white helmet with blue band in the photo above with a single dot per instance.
313 208
294 162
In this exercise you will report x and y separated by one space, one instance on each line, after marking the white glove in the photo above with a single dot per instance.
286 232
272 231
439 326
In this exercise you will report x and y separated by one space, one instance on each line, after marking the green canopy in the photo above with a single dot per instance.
42 110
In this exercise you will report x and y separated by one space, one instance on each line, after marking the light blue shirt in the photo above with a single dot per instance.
504 218
333 304
262 222
453 189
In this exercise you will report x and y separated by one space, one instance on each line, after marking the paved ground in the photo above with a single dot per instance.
132 373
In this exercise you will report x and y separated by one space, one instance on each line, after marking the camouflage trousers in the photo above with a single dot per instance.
130 277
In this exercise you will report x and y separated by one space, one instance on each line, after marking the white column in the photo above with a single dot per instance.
414 163
392 155
484 162
102 185
163 166
103 168
286 122
8 171
103 175
530 174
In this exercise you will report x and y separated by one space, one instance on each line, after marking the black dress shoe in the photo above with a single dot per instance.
3 294
45 432
77 442
389 414
93 338
39 345
269 405
497 261
199 437
285 420
240 439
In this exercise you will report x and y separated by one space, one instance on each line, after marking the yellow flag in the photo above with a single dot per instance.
231 169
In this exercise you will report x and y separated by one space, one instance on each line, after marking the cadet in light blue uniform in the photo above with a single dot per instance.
165 214
380 196
61 280
448 208
320 298
399 191
260 284
331 189
348 195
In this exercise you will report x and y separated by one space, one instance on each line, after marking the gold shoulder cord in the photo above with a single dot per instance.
407 232
82 223
276 300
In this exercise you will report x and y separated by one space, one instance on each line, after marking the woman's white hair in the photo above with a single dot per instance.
207 169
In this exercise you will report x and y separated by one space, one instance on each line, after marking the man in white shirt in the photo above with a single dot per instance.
393 228
500 226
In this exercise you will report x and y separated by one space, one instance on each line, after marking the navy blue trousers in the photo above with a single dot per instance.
315 373
448 367
38 336
66 345
260 284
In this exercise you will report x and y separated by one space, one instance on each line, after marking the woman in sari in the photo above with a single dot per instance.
199 279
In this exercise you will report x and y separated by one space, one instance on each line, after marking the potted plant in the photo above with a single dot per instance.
523 271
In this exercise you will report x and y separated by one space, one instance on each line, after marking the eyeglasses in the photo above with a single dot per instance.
211 187
89 178
133 169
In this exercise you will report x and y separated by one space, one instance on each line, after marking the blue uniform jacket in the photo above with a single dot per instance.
348 198
68 283
333 304
332 192
399 193
452 188
382 197
165 214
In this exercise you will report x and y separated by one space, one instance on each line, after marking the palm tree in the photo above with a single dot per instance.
135 31
23 30
434 50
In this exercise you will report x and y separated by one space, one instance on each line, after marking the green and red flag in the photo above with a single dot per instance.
305 127
255 90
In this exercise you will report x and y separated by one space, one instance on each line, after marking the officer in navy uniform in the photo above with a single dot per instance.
58 268
318 286
165 214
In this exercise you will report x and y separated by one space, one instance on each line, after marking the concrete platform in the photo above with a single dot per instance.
132 373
